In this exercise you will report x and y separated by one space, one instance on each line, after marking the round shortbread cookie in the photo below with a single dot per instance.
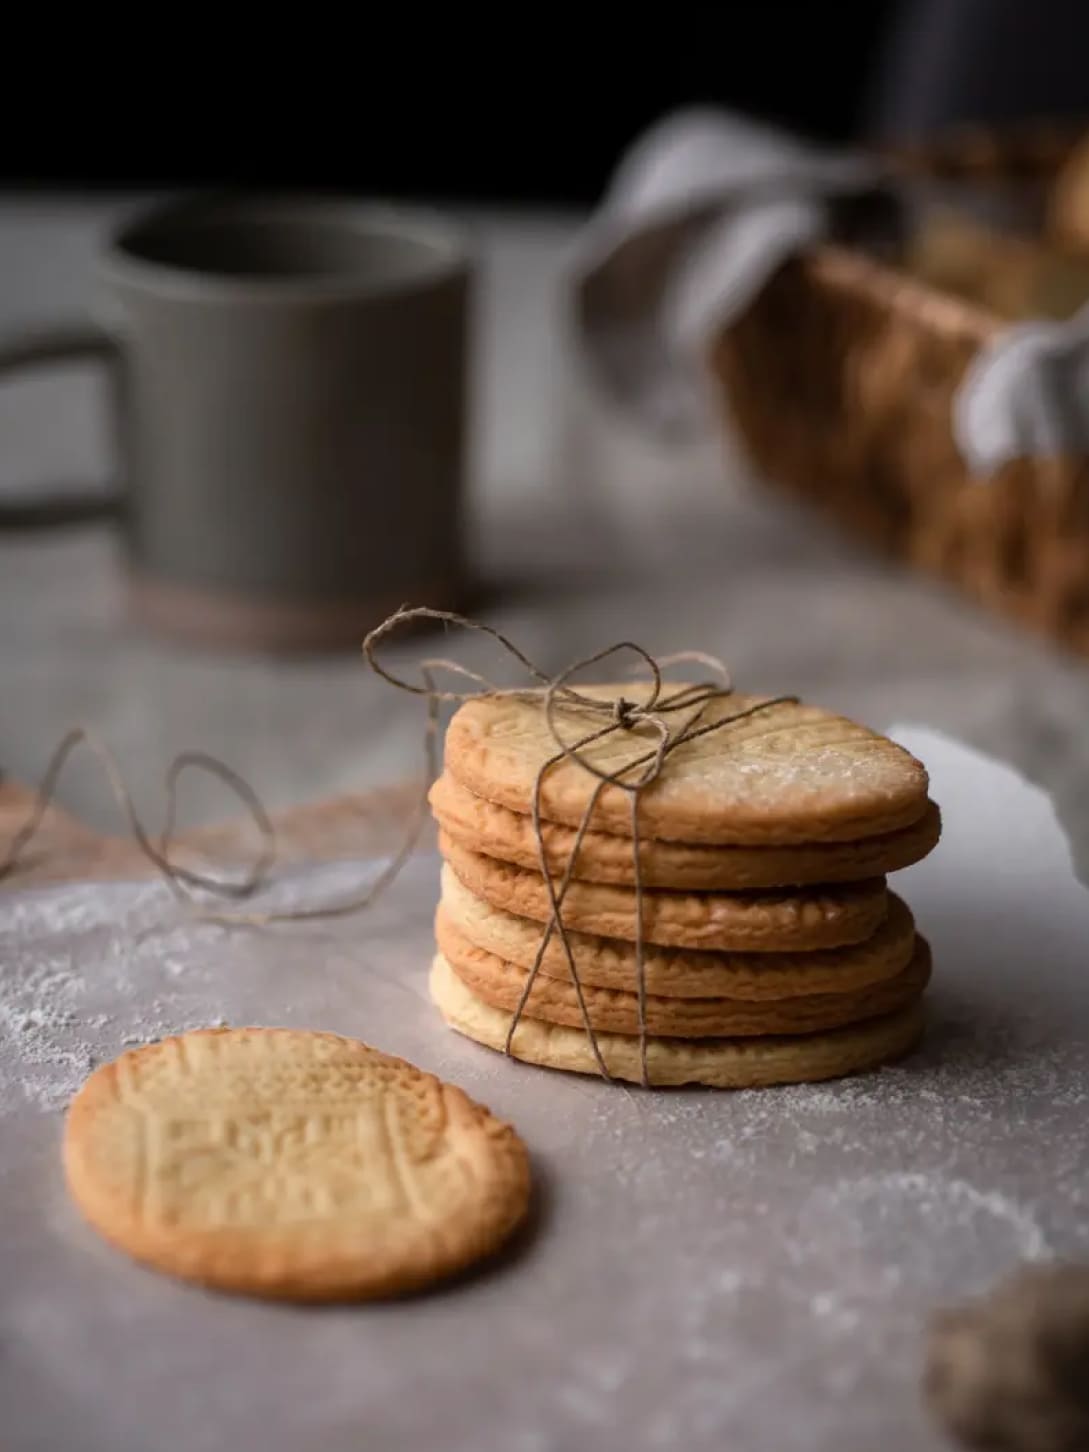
765 922
681 972
496 831
718 1063
792 774
293 1165
501 984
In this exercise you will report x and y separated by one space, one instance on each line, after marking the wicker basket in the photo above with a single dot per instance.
840 380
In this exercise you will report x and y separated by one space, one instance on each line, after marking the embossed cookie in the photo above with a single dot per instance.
767 922
281 1163
721 1063
680 972
496 831
501 984
790 775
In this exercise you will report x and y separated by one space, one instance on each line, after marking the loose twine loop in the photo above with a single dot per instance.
665 721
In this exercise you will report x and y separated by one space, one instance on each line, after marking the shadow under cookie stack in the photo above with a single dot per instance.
772 949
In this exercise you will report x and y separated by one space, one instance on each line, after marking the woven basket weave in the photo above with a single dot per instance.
840 380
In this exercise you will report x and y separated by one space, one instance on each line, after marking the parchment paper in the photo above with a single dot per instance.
745 1271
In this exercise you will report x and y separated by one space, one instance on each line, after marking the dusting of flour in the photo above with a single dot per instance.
88 970
68 989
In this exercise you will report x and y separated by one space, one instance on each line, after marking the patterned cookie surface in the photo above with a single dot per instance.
792 774
767 922
680 972
718 1063
501 984
484 826
282 1163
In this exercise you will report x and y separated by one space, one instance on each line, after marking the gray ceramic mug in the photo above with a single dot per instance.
290 414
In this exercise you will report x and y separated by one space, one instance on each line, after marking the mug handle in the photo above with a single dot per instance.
65 343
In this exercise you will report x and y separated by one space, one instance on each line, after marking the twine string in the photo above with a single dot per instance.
625 715
178 878
669 717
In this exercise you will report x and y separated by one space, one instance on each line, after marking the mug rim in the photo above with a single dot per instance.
447 240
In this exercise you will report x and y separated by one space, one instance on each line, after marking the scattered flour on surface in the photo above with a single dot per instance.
74 988
89 969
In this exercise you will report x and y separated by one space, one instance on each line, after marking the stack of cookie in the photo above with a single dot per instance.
773 950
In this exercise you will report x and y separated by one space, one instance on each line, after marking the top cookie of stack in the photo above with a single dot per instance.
790 796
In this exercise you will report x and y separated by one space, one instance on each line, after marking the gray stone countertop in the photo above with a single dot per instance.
710 1316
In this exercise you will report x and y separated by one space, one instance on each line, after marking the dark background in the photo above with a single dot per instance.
530 113
528 105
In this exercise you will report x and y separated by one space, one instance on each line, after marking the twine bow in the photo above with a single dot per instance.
667 719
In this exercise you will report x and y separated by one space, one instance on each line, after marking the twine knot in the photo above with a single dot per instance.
626 713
